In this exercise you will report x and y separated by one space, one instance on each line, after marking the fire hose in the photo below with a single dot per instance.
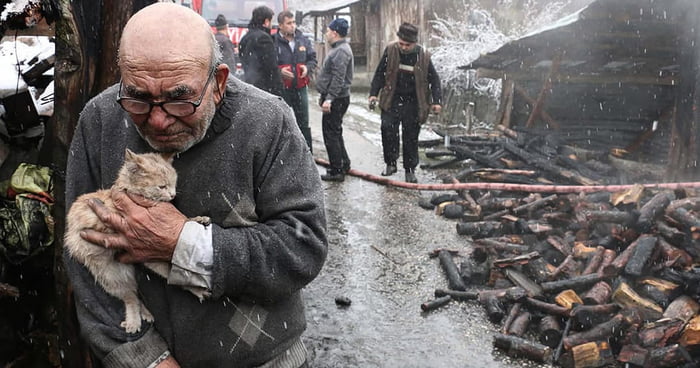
511 187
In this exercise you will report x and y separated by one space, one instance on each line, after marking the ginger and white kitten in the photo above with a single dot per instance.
152 176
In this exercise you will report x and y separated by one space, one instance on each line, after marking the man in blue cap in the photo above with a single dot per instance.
334 86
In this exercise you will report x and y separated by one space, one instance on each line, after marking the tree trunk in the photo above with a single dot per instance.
86 50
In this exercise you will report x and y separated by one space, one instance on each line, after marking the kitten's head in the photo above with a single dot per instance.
150 175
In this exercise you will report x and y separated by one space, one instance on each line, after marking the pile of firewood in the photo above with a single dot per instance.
580 280
535 157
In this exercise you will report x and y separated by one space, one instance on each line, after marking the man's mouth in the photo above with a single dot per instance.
165 137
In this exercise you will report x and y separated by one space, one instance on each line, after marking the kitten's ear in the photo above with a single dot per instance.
129 155
168 156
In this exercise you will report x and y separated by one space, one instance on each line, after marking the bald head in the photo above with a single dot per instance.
166 33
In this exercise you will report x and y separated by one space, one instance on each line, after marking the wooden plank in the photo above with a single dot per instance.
507 102
544 114
546 87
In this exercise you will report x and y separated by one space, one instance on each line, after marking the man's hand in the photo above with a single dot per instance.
287 72
304 70
372 102
144 230
169 362
436 109
326 107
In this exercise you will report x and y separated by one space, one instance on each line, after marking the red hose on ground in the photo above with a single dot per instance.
510 187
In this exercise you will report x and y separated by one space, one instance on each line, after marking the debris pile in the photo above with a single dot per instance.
541 157
580 280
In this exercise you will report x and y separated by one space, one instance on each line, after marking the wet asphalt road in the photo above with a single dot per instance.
379 241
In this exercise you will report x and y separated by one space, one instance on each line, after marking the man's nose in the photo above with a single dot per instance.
159 119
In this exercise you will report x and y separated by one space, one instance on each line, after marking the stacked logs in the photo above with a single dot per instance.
529 156
580 280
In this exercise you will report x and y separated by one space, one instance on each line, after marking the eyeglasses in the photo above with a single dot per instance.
174 108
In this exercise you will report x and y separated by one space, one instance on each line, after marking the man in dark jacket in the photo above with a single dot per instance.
241 161
258 54
225 44
333 84
296 58
408 88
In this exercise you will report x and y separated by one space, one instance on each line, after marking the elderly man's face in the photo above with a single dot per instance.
160 83
155 69
406 46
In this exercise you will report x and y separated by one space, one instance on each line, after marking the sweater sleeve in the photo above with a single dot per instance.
339 67
99 313
379 78
311 61
286 247
268 61
435 87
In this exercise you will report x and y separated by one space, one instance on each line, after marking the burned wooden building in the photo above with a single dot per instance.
618 76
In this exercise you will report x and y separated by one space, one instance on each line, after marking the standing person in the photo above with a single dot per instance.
258 54
408 87
225 44
334 86
267 237
297 61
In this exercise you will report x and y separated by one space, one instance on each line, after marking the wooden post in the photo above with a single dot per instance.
507 102
546 87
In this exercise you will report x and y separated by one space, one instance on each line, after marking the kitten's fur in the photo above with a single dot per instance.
151 176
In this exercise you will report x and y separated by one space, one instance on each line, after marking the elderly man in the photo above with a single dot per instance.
242 162
408 88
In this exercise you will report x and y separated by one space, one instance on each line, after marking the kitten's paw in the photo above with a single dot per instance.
131 325
146 314
200 293
204 220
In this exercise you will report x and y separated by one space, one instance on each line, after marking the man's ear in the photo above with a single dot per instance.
221 75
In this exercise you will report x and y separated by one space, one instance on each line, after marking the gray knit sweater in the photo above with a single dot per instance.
335 77
254 177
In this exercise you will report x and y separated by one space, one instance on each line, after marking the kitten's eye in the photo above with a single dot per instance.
163 187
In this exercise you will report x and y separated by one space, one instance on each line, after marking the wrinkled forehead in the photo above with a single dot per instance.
165 37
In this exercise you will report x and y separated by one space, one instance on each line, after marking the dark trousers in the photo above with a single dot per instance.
404 113
332 124
298 100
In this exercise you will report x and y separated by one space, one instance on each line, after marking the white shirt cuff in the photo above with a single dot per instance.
193 257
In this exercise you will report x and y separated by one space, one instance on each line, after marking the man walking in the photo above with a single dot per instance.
408 88
225 44
296 59
334 86
257 52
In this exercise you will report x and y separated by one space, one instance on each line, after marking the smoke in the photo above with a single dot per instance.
475 29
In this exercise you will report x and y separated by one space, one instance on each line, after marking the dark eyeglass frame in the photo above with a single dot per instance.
164 104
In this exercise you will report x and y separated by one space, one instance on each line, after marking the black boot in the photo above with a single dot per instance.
333 176
411 176
390 169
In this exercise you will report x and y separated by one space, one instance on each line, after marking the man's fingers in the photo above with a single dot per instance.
109 218
113 241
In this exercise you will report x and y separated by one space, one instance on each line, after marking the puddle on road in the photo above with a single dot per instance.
379 240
